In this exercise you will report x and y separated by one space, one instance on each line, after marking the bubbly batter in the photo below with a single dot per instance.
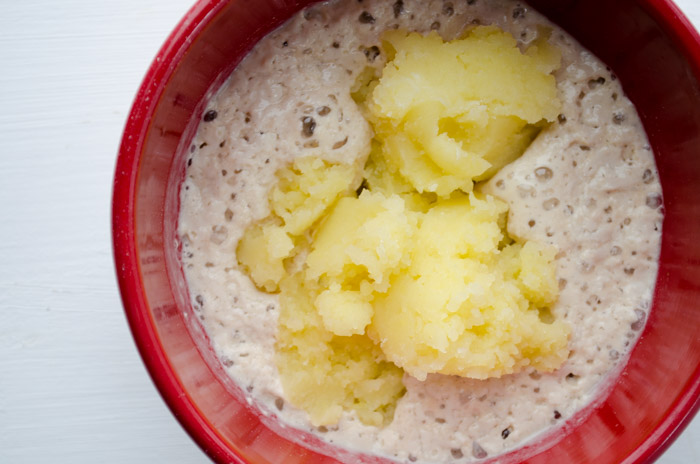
587 185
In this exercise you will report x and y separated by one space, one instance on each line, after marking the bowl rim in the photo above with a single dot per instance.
128 270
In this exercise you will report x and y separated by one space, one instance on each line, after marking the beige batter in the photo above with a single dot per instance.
588 185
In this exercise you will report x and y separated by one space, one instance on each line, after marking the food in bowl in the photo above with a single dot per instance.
587 185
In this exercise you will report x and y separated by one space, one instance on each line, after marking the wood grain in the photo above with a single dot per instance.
72 387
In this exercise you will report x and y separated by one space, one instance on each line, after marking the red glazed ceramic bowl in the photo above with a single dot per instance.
649 45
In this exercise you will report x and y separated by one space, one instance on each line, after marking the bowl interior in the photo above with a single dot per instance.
653 51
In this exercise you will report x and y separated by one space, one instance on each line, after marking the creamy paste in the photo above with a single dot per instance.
588 185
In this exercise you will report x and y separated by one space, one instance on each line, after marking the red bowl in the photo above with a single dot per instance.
654 51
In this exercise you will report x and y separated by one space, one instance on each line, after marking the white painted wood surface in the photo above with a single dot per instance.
72 386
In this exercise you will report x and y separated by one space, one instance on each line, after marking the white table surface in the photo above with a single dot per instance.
72 386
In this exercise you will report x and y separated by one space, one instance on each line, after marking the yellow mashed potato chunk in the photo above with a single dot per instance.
307 189
262 251
449 113
413 272
303 193
325 374
465 307
369 233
